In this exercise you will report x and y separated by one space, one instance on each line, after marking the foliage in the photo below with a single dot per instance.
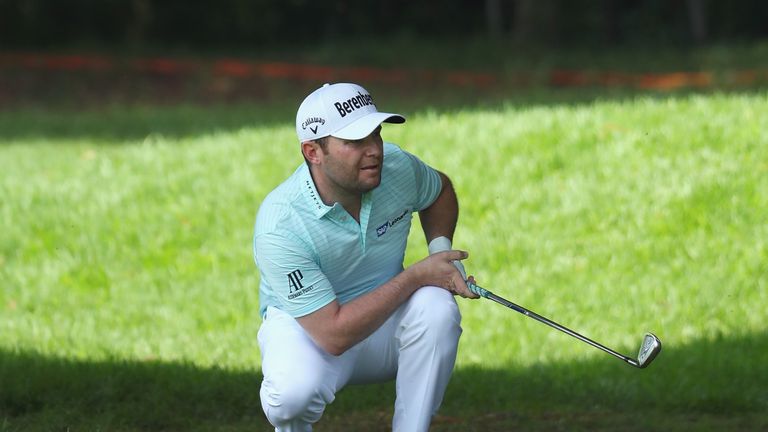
270 24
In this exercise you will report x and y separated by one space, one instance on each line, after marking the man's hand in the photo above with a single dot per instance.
439 244
439 269
442 243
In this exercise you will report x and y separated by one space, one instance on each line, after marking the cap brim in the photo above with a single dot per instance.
363 126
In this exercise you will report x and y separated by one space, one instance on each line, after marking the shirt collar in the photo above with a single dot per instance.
309 191
319 208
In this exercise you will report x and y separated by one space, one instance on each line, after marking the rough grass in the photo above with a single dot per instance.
129 295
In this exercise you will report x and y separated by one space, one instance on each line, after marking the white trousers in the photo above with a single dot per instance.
416 346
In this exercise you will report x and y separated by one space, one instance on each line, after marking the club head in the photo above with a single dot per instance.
649 350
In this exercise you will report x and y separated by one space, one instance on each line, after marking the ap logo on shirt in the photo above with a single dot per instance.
295 286
294 281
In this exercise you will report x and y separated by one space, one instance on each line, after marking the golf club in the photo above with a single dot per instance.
648 350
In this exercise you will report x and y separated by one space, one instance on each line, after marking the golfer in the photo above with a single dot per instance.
338 308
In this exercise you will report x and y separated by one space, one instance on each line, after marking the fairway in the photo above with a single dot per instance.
129 296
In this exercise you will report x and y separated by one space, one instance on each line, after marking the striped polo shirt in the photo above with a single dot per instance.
309 253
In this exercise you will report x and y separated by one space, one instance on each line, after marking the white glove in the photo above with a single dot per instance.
440 244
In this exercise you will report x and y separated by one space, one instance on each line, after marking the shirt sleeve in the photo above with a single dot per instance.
294 277
427 182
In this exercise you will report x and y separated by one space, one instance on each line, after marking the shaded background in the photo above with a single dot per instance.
262 24
81 53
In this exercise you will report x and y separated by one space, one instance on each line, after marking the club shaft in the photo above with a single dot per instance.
491 296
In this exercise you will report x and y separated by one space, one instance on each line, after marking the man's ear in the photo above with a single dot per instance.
311 151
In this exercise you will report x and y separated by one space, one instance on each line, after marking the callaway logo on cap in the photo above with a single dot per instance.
343 110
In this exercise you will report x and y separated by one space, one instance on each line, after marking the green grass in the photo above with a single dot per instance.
129 294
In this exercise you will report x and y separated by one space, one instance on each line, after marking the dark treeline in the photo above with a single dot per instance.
263 23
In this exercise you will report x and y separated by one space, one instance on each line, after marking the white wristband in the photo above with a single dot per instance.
439 244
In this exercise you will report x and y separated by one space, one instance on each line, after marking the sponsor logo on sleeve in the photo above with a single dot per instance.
294 281
295 286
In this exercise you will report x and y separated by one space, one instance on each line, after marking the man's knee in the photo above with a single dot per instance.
436 311
294 398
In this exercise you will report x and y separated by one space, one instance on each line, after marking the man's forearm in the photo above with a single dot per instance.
336 327
440 218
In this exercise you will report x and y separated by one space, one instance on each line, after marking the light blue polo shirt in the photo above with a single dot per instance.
309 254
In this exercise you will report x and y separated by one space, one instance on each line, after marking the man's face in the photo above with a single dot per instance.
353 167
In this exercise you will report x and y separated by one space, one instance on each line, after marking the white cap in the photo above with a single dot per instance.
343 110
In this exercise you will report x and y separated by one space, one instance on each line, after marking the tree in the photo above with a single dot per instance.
493 18
697 18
